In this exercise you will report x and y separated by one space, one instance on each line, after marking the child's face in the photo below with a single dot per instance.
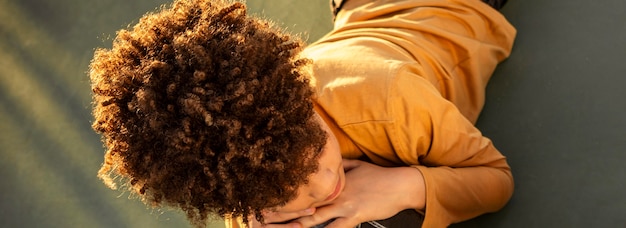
325 184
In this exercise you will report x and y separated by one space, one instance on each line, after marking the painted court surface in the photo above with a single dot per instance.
555 109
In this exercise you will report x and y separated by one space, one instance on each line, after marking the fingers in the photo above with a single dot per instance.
256 224
334 223
288 225
253 223
350 164
322 215
342 223
279 217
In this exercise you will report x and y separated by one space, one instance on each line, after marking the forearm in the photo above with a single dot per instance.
414 188
463 193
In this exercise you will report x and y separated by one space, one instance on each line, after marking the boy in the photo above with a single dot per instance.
204 108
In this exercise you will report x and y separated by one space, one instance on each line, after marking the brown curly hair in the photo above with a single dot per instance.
204 108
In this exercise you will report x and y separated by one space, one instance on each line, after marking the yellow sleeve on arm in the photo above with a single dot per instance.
465 174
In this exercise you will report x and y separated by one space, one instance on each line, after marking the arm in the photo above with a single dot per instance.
465 175
371 193
461 174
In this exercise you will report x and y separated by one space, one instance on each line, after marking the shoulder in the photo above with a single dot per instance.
354 86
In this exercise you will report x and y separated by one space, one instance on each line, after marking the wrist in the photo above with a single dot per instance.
414 187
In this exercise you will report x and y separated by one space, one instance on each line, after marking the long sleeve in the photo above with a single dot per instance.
402 82
465 174
397 118
415 126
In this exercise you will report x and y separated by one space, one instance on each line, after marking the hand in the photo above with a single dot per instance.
279 219
371 193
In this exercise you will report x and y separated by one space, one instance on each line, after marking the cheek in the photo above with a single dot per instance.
298 204
333 145
333 154
320 182
301 202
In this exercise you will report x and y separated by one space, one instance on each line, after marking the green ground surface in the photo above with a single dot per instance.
50 155
555 109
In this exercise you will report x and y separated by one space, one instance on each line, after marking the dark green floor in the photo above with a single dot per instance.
555 108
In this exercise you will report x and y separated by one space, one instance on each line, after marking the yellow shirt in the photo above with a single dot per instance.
402 82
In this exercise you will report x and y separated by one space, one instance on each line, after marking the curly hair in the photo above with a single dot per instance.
204 108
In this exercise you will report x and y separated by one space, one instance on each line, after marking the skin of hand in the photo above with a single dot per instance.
273 219
371 193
